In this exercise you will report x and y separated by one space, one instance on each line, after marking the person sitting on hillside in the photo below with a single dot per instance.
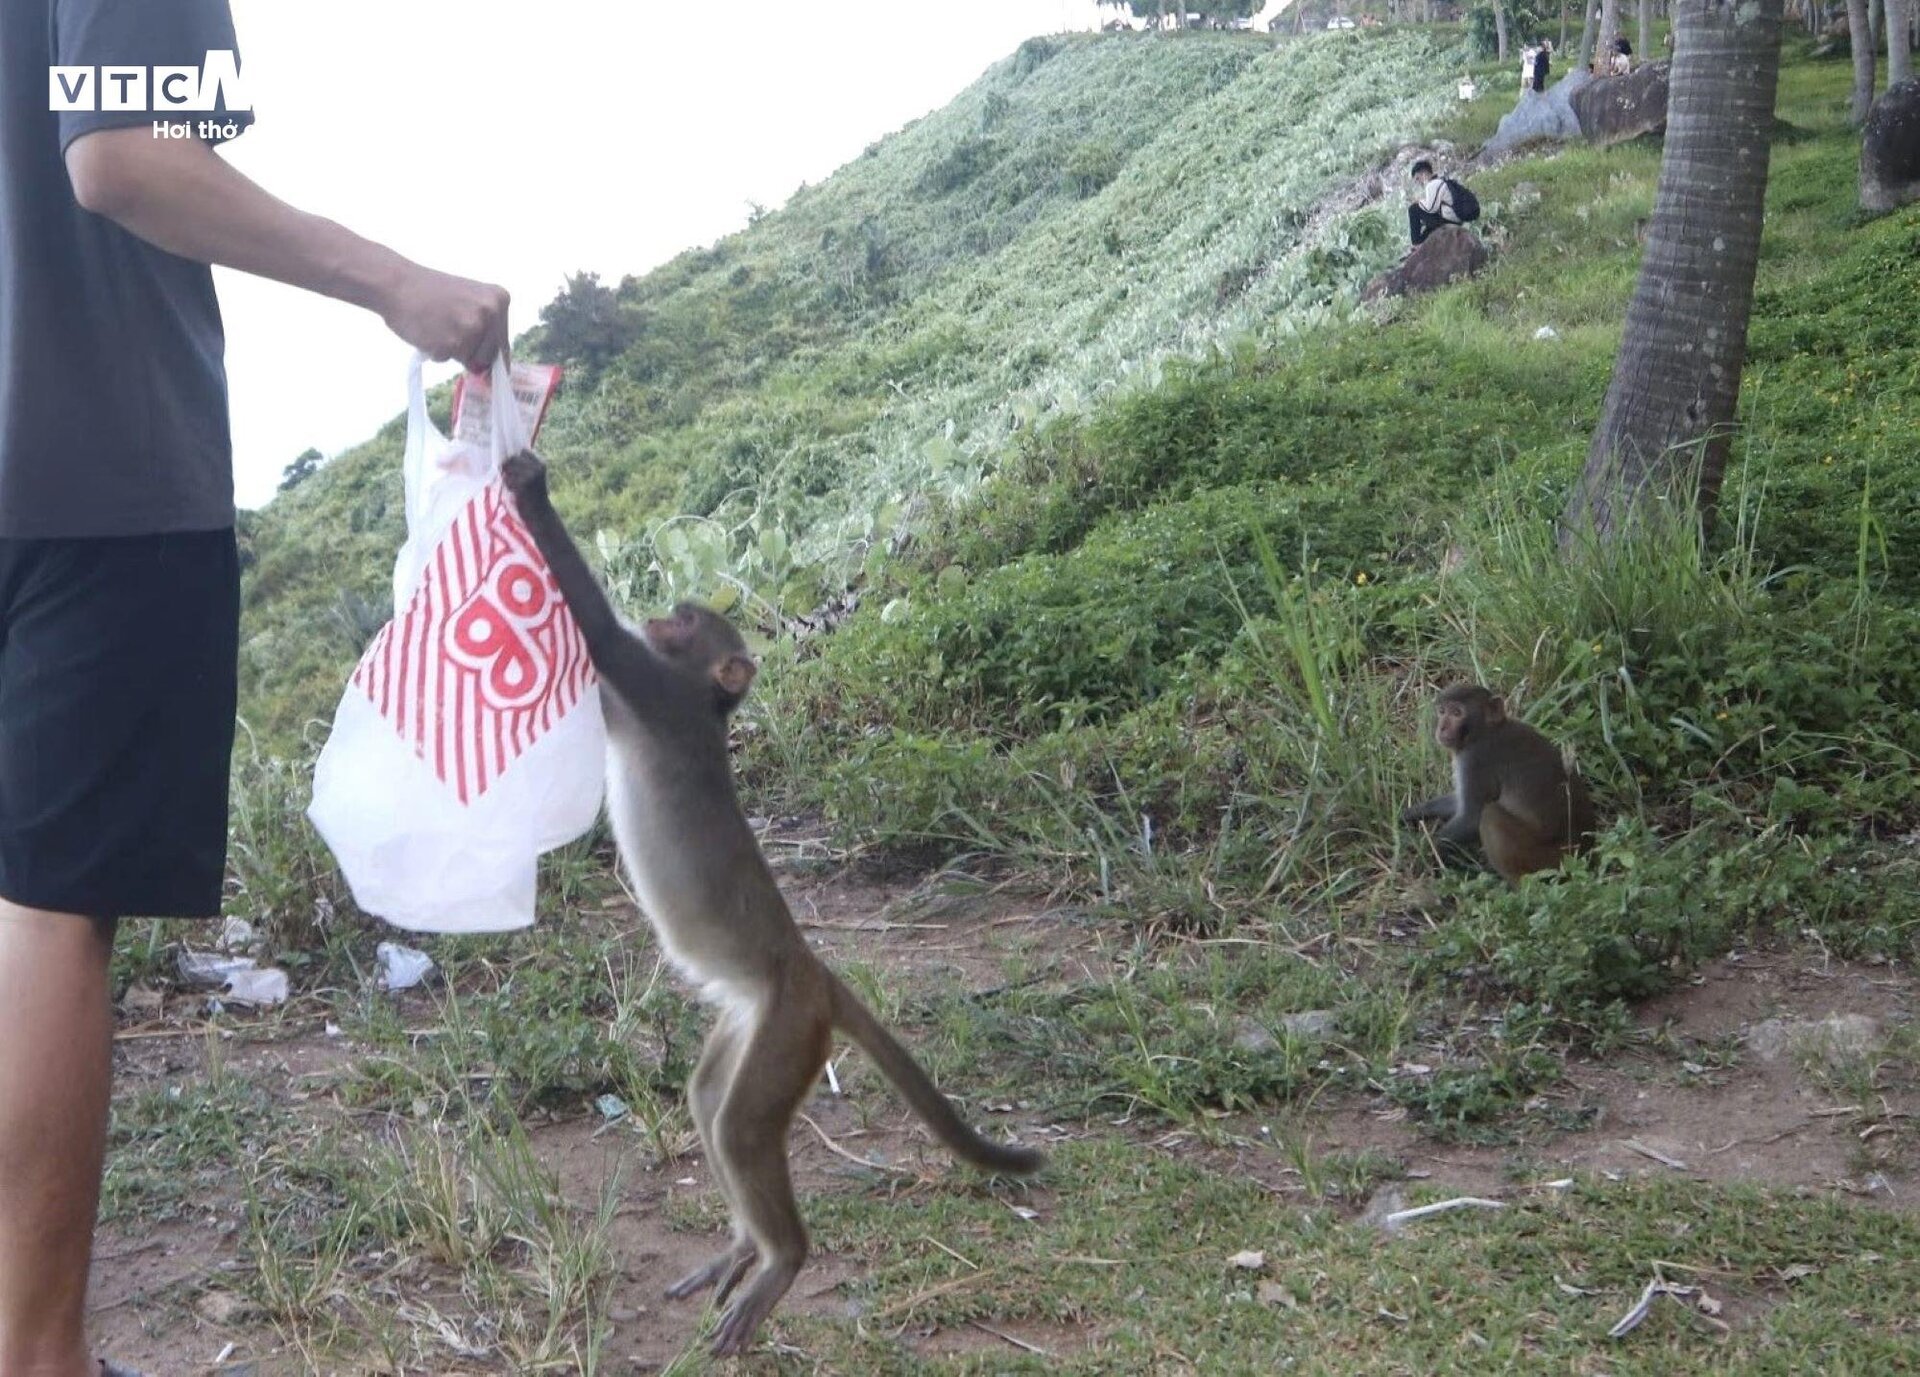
1433 206
1622 60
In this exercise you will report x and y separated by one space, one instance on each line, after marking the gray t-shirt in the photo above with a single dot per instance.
113 386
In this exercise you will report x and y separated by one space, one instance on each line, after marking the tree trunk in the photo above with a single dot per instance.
1899 45
1609 32
1646 30
1563 27
1876 19
1587 30
1860 35
1500 31
1676 383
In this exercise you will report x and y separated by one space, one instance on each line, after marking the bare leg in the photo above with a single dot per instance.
708 1083
786 1053
56 1063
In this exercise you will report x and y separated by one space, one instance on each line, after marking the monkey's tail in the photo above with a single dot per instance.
853 1018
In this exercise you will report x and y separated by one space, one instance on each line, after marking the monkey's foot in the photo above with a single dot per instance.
724 1271
744 1317
523 471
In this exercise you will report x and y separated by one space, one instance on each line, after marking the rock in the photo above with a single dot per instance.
1449 254
1615 109
223 1308
1835 1038
1387 1200
1541 115
1890 149
1250 1036
1310 1023
143 1000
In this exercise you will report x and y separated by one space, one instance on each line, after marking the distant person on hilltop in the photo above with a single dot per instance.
1542 64
119 573
1441 201
1528 56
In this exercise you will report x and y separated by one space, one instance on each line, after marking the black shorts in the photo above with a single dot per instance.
117 695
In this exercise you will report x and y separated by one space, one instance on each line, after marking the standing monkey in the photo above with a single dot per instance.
1511 792
670 686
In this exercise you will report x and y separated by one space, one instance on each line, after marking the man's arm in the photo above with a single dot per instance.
181 196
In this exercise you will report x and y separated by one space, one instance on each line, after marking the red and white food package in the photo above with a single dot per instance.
469 740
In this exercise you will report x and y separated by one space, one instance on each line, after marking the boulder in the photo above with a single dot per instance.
1834 1040
1541 115
1447 255
1615 109
1890 149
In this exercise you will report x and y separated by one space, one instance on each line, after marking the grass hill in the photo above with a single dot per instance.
1126 717
1089 207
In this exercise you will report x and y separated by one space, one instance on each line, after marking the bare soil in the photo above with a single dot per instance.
1690 1095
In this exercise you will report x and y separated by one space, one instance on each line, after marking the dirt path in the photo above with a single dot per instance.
1705 1096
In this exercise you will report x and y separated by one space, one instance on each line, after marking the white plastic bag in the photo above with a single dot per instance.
469 739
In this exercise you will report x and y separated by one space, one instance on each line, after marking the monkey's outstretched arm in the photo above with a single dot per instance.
1441 807
621 657
525 476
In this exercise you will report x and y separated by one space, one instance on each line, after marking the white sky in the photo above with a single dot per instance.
520 142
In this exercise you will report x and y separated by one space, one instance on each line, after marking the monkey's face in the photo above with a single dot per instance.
703 647
1462 713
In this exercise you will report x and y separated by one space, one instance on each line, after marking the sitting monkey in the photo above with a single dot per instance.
1511 792
668 688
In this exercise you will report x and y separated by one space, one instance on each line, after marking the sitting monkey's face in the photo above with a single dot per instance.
1463 711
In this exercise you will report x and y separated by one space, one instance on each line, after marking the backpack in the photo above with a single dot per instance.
1465 204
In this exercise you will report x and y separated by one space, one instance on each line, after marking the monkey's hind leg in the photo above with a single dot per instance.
718 1062
1513 846
779 1062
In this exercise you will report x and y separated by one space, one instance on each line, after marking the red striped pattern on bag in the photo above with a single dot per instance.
486 658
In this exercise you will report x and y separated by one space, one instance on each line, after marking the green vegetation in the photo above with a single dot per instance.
793 394
1148 629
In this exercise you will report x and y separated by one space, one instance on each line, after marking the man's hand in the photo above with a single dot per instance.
449 317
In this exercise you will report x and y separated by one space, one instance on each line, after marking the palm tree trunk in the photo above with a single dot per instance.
1500 30
1876 19
1676 382
1646 30
1899 45
1609 31
1860 35
1563 27
1587 29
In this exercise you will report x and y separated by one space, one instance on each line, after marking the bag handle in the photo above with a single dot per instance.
509 432
419 427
